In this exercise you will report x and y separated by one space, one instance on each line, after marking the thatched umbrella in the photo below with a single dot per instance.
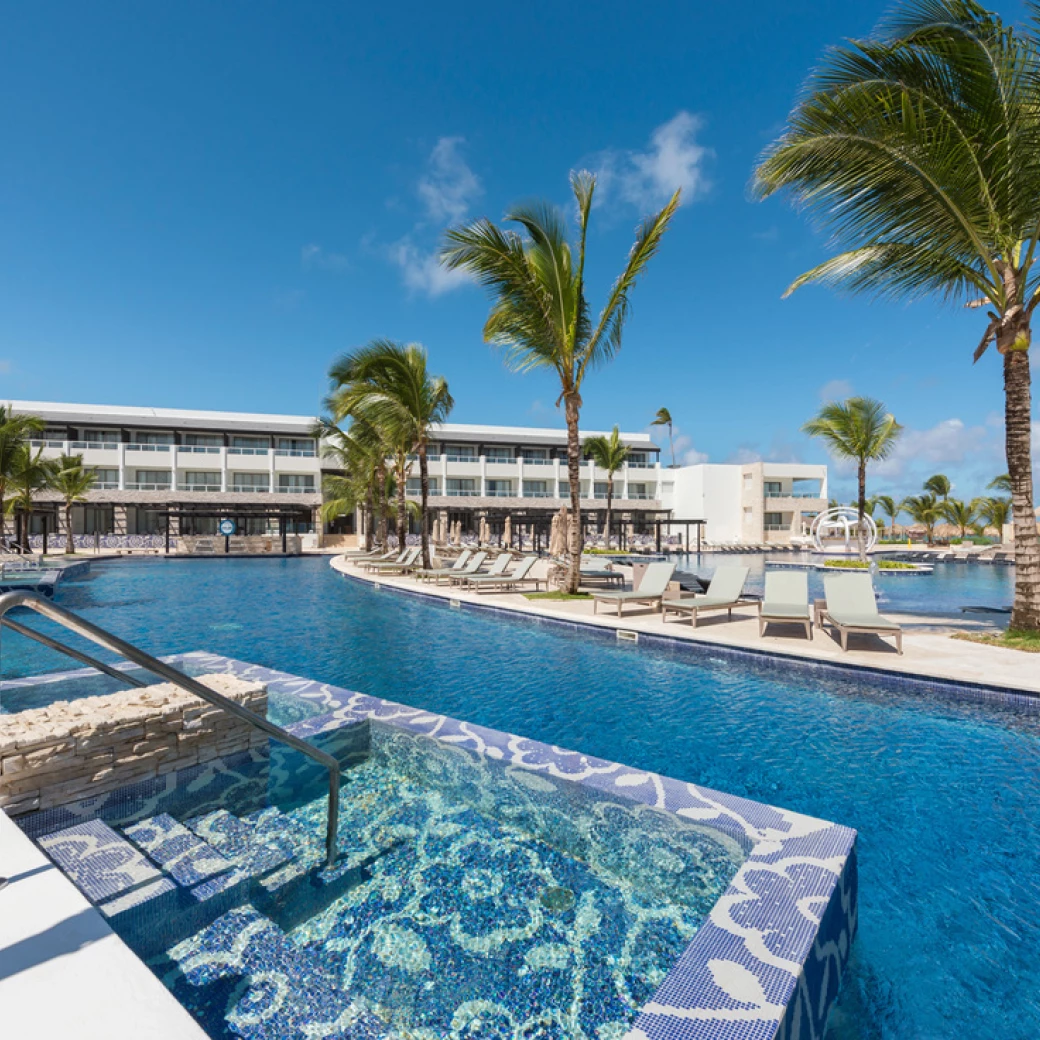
507 531
558 542
485 534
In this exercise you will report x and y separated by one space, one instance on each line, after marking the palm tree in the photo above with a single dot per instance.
918 149
994 512
15 430
939 485
1001 483
540 313
610 454
72 482
30 473
664 418
924 510
357 456
888 505
859 429
390 387
961 514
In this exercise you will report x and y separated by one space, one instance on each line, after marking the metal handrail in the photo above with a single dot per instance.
88 630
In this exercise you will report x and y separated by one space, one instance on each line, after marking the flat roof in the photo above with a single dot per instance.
529 435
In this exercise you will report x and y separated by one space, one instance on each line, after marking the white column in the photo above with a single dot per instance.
556 478
122 466
624 480
519 476
444 473
483 476
223 469
173 467
270 468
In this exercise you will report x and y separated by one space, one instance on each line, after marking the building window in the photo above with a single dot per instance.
153 438
250 444
773 488
204 440
295 446
774 522
199 480
93 520
104 479
458 487
499 454
565 489
499 488
600 489
637 491
536 489
250 481
295 482
461 452
100 436
152 480
148 521
637 458
414 486
535 456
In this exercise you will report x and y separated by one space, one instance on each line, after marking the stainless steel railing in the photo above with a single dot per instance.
84 628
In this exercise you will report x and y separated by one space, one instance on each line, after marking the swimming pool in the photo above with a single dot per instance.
943 793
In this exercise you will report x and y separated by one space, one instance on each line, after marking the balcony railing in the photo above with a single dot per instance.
537 494
295 490
93 445
776 527
47 444
304 453
500 493
249 488
149 486
197 449
536 461
462 458
461 492
248 451
793 494
105 485
639 496
149 447
198 487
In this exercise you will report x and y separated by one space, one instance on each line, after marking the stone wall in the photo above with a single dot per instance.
71 750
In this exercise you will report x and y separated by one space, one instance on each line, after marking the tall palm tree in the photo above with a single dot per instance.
861 430
924 510
357 454
961 514
72 482
540 313
608 453
888 505
389 386
939 485
994 512
918 149
30 473
15 430
664 418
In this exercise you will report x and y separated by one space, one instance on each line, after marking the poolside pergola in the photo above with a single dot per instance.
299 514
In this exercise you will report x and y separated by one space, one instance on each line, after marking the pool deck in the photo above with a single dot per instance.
928 650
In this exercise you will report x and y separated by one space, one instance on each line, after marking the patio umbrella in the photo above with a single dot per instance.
554 534
560 545
457 533
507 531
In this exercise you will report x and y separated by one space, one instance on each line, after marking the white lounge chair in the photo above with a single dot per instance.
474 565
402 566
651 589
786 600
504 582
725 591
852 607
435 574
496 570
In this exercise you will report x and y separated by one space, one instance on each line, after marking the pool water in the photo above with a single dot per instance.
944 793
944 591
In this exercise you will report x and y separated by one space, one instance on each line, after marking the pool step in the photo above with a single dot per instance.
243 944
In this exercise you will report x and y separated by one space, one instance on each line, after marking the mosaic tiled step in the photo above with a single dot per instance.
184 856
105 867
290 990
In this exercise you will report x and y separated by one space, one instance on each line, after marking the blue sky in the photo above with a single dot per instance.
202 204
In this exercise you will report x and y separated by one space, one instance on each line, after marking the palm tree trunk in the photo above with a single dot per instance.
572 407
610 501
424 496
861 506
383 506
402 505
367 515
69 547
1025 612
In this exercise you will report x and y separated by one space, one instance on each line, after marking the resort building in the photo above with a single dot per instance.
167 473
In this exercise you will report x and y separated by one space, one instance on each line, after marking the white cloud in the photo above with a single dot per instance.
835 390
315 257
685 453
423 272
448 187
648 179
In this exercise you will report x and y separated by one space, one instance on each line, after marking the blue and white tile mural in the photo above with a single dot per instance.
488 886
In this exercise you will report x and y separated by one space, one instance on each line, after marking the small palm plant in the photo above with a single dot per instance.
924 510
918 149
994 512
939 485
358 456
30 474
887 505
608 453
961 514
15 431
540 313
72 482
664 418
861 430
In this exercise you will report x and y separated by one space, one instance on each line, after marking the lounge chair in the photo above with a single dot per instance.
497 569
504 582
474 565
402 566
436 573
725 591
651 589
786 600
851 607
594 571
391 557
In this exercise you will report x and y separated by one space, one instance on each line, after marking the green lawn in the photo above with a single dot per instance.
1027 641
859 565
557 594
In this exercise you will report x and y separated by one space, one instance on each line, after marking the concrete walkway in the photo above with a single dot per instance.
928 650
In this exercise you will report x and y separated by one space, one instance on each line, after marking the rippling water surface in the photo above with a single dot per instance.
945 795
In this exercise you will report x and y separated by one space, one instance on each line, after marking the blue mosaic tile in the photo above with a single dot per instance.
184 856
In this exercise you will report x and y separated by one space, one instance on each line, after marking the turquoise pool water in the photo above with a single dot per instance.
944 794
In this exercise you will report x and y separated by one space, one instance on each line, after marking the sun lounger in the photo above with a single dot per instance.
391 557
474 565
851 607
435 574
651 589
401 566
786 600
504 582
497 569
725 592
593 571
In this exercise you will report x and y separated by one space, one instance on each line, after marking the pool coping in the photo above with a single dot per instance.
768 960
607 626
